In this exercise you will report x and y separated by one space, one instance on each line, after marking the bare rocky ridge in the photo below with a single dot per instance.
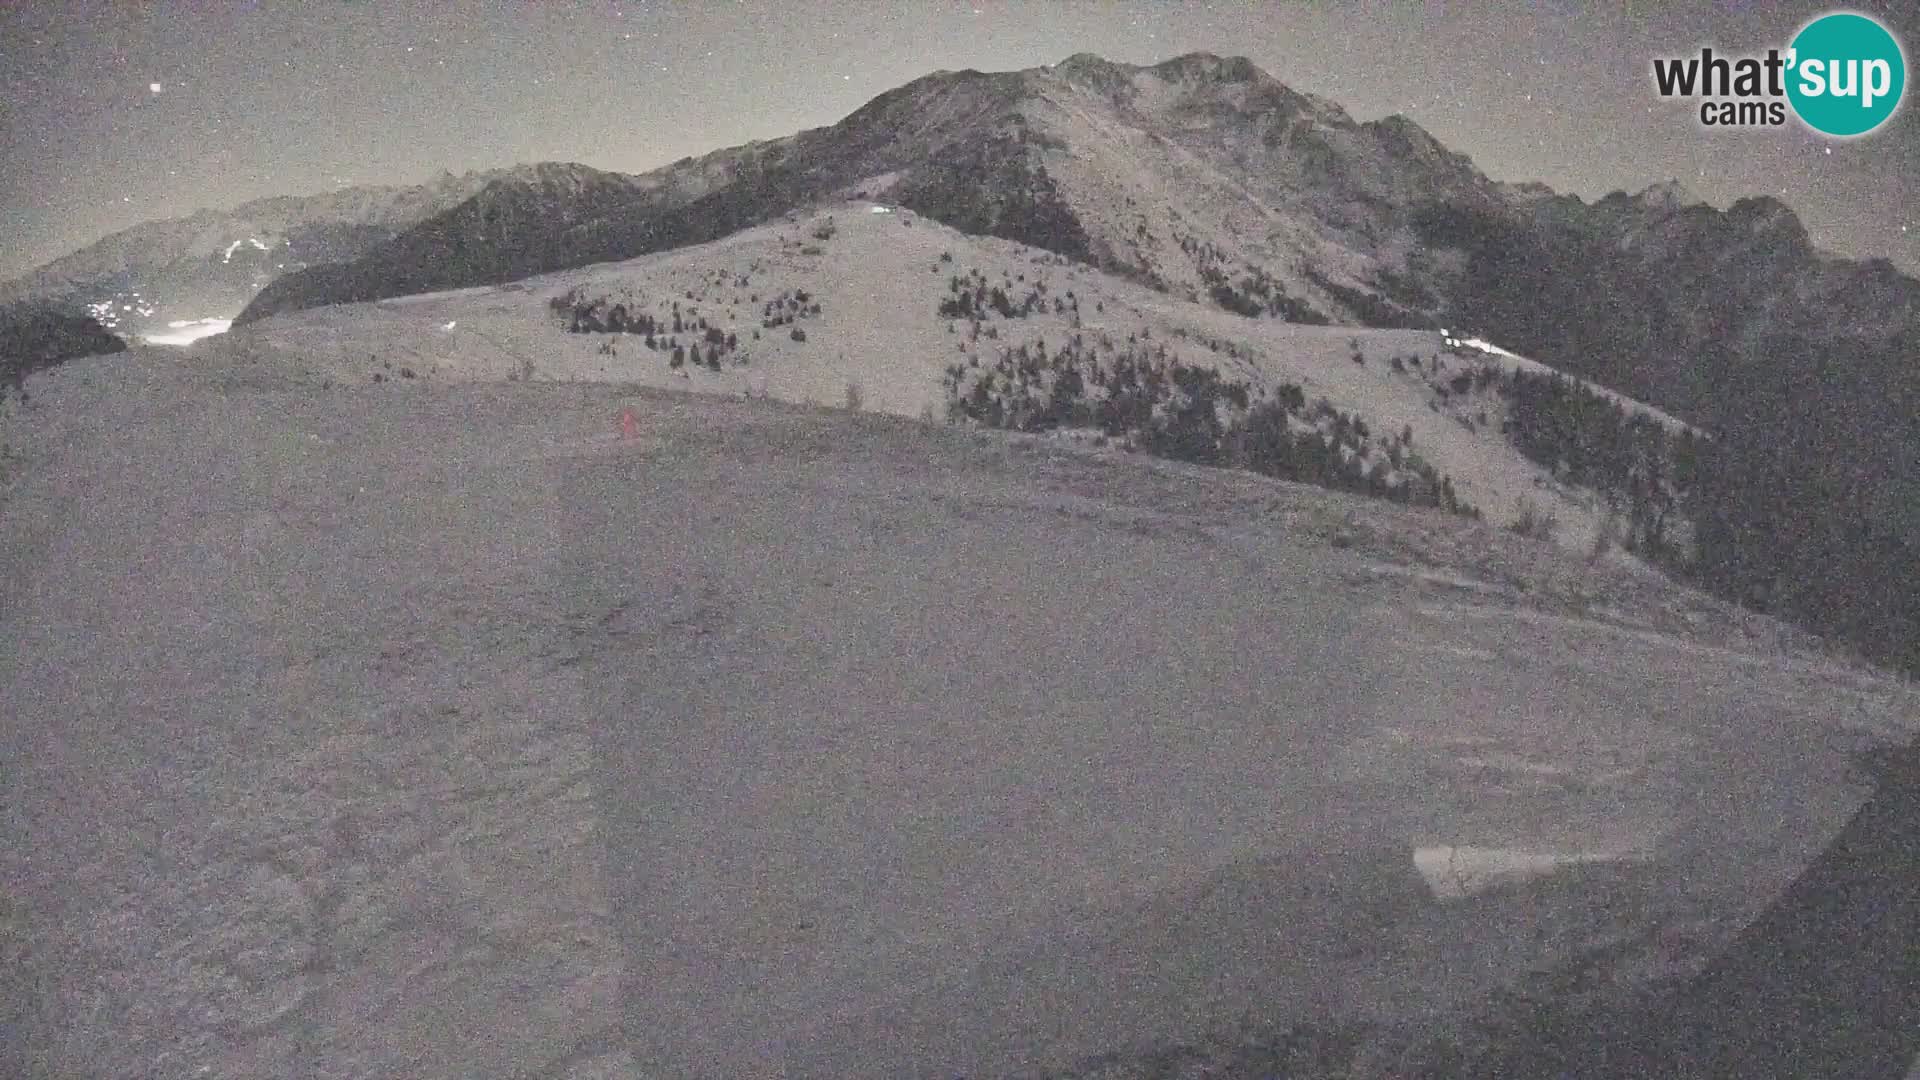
1194 171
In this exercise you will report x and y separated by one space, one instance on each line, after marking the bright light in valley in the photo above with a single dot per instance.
188 331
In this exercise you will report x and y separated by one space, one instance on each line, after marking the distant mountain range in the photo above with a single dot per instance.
210 264
1201 175
1206 177
1192 174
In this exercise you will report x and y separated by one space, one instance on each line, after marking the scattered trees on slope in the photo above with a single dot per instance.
1150 400
1782 519
1255 295
971 296
706 344
1593 441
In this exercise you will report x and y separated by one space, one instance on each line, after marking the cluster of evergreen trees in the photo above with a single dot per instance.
1588 439
787 308
704 344
997 187
1171 409
971 297
1370 309
1786 517
1255 296
1802 501
1807 500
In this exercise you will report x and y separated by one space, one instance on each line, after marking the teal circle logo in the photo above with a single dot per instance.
1846 74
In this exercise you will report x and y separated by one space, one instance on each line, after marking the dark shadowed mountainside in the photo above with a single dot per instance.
36 336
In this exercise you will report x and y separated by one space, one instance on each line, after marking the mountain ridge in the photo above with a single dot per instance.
211 262
999 127
1310 203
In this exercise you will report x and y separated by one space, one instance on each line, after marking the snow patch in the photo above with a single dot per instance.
429 297
227 255
1455 873
1487 347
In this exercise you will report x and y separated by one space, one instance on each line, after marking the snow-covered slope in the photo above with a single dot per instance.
449 727
862 283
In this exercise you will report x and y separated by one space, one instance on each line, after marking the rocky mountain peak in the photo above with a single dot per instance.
1668 195
560 176
1095 73
1206 67
1767 218
1409 140
1086 63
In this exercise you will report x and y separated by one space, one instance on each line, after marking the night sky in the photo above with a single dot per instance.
115 113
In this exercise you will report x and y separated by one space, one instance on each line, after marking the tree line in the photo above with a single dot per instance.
1146 397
